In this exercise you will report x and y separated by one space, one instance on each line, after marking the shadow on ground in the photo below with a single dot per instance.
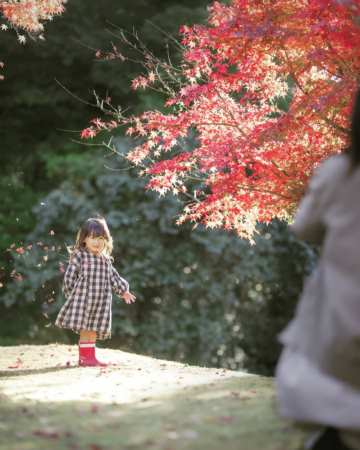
18 373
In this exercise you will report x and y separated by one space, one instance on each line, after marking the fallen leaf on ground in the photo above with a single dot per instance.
226 419
49 433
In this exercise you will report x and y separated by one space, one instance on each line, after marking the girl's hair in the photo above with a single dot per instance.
354 148
95 227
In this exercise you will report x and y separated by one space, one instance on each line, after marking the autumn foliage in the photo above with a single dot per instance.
26 17
266 86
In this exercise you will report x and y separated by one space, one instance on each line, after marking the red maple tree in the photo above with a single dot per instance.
26 17
266 86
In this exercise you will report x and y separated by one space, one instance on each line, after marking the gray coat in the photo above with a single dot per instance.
318 374
326 327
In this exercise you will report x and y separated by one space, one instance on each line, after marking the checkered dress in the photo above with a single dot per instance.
88 284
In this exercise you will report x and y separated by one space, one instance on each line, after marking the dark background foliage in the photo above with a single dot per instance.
205 297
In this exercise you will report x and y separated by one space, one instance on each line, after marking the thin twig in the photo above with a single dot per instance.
74 95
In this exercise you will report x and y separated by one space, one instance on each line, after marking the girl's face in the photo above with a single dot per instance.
95 245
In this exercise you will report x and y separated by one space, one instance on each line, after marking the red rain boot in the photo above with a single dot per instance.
87 356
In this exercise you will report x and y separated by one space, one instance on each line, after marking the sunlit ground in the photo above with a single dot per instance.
56 377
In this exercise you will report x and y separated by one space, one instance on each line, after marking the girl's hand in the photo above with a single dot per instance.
128 297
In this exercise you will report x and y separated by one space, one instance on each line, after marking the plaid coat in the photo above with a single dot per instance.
88 284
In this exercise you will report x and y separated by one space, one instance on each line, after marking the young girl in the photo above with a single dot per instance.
318 375
88 283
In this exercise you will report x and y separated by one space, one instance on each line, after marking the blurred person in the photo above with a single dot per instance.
318 373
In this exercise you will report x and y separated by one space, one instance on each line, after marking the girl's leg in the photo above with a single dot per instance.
88 335
87 343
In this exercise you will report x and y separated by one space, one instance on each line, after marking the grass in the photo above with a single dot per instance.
142 403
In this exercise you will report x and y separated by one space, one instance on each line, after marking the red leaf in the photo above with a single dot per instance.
94 409
16 365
